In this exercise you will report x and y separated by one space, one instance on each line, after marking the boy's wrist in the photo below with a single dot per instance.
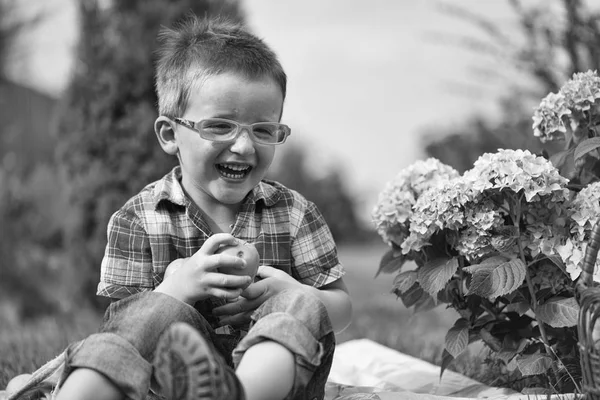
166 288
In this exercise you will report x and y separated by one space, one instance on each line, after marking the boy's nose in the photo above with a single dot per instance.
243 143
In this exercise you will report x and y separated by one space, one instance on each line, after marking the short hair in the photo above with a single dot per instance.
196 49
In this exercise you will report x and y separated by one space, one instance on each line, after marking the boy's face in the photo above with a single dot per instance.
224 173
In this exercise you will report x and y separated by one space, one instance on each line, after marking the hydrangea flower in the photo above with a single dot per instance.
440 207
548 122
582 90
519 171
556 110
585 213
497 176
394 207
481 219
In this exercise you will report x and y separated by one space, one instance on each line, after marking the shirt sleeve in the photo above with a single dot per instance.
127 264
314 252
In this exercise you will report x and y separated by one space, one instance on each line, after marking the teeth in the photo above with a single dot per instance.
235 167
234 171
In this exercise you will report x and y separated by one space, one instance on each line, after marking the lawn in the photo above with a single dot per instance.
378 315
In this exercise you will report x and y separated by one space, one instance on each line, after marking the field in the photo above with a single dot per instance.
378 315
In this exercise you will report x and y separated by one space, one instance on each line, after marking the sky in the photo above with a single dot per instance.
366 79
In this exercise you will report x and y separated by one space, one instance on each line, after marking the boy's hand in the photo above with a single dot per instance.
197 278
273 281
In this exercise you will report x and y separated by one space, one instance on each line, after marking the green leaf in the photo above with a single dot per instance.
491 280
390 262
487 264
404 281
507 277
490 340
533 364
556 260
586 146
562 157
457 337
411 296
564 162
446 361
520 308
425 303
435 274
559 312
506 355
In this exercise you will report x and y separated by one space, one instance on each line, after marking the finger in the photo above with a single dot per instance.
217 240
254 290
225 294
235 307
236 320
264 271
212 262
219 280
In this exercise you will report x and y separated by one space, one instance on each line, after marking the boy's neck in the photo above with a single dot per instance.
221 222
219 217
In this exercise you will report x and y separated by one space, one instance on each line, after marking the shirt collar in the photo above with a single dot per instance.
266 191
169 188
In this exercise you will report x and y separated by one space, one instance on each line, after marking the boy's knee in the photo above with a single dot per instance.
302 306
296 302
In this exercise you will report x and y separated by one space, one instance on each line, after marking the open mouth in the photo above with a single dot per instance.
234 171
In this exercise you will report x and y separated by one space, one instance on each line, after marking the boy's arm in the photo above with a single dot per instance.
336 299
126 267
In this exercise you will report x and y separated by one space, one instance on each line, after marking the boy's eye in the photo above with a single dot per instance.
264 131
218 128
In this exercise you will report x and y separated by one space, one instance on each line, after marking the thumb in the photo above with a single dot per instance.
264 271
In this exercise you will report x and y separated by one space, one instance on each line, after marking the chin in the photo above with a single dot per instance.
232 198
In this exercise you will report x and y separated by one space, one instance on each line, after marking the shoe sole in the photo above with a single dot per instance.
184 366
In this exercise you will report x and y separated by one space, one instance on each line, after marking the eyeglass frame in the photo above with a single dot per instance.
239 127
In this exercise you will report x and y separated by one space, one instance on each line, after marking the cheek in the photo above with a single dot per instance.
266 156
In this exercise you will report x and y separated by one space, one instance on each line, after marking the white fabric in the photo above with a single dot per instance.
394 375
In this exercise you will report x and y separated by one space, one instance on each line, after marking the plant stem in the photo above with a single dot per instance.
516 222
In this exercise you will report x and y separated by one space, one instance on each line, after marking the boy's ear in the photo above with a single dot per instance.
165 133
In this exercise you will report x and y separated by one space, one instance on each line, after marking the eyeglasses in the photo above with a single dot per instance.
225 130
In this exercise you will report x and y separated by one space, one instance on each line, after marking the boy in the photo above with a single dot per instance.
199 333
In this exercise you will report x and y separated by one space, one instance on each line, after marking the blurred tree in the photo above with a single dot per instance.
559 38
24 230
327 191
10 27
107 145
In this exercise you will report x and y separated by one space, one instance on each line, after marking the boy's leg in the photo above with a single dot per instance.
295 329
117 360
187 367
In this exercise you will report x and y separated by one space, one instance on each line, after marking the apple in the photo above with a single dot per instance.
248 252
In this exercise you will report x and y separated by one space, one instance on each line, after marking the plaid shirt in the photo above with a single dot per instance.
161 224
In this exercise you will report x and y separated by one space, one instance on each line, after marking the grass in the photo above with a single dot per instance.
378 315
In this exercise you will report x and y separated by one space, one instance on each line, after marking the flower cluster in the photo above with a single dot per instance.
548 121
518 171
440 207
582 91
585 213
394 207
476 212
555 113
504 239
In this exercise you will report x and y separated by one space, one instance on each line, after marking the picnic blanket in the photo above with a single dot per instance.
366 370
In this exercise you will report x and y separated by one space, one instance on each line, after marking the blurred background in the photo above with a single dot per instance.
373 86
